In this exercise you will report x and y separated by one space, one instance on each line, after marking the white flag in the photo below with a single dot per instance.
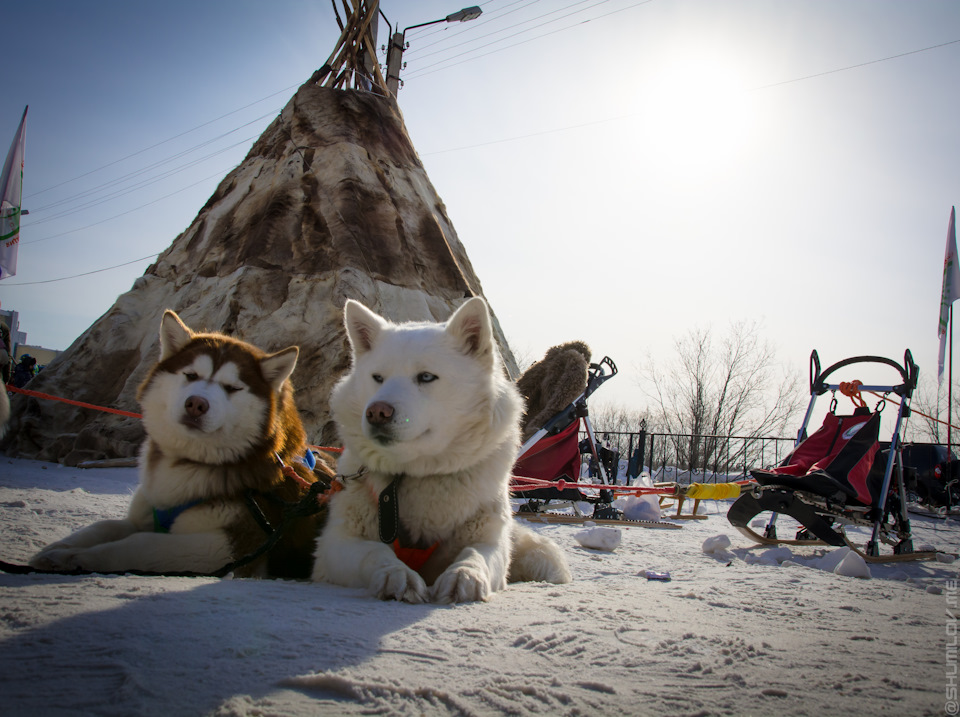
11 189
951 288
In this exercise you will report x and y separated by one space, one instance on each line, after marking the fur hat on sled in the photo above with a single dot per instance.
553 383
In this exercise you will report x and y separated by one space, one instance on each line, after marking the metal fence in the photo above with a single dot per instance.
686 458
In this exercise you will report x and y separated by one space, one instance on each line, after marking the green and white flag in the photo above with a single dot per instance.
11 190
950 291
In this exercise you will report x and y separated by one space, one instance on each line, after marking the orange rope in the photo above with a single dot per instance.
914 410
128 414
852 391
37 394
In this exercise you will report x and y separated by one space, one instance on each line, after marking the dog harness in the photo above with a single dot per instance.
389 528
163 518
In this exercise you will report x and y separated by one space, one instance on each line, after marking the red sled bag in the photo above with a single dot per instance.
552 458
837 457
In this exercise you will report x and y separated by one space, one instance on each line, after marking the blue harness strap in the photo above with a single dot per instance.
163 518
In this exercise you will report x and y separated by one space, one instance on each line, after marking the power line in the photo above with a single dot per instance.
144 183
423 71
485 19
635 114
129 211
853 67
77 276
418 49
520 32
158 144
136 173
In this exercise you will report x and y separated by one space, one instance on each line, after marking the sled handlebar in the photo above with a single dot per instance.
909 372
600 372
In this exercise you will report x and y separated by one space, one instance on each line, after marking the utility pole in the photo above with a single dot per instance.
394 59
398 44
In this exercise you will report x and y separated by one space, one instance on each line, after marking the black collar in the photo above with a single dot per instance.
388 511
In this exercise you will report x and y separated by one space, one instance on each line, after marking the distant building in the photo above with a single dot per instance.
12 319
19 340
42 355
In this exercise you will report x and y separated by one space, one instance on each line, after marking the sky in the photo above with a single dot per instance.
620 172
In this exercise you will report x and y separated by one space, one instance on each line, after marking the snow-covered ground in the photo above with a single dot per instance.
735 631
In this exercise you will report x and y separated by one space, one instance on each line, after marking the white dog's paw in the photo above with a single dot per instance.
461 583
57 557
398 582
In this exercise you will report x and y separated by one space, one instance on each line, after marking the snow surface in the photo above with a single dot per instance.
740 630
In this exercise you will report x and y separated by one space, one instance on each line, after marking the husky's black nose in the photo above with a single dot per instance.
379 413
196 406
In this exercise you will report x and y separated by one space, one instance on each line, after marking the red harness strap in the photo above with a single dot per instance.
413 557
389 529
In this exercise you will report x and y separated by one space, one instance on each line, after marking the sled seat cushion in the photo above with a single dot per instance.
817 482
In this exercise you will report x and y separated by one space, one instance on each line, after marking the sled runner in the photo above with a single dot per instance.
554 453
837 476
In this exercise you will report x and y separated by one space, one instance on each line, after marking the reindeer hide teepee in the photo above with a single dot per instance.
331 203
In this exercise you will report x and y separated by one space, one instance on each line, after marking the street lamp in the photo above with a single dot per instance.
398 43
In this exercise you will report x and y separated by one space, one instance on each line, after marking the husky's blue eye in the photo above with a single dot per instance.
191 376
425 377
377 378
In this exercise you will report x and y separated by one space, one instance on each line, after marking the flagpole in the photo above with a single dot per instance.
949 293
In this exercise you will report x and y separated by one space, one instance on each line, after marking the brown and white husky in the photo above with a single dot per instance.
223 434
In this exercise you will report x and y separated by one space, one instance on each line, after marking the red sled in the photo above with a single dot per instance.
838 476
836 461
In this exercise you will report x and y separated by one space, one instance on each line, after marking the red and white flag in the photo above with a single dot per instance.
11 190
950 291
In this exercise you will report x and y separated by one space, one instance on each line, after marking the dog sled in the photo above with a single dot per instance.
554 454
547 474
838 477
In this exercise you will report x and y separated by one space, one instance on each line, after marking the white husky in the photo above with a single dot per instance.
430 423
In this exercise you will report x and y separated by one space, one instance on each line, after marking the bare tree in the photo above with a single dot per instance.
716 389
929 421
616 418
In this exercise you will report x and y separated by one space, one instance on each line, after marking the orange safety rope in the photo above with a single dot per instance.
128 414
37 394
914 410
851 390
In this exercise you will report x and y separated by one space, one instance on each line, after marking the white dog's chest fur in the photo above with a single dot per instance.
428 509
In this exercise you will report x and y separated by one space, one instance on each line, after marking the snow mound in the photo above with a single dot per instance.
853 566
716 544
829 562
640 507
607 539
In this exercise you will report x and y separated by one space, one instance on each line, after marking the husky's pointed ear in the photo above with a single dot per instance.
276 368
363 326
470 326
174 334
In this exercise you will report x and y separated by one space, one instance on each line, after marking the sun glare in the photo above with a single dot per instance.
696 114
